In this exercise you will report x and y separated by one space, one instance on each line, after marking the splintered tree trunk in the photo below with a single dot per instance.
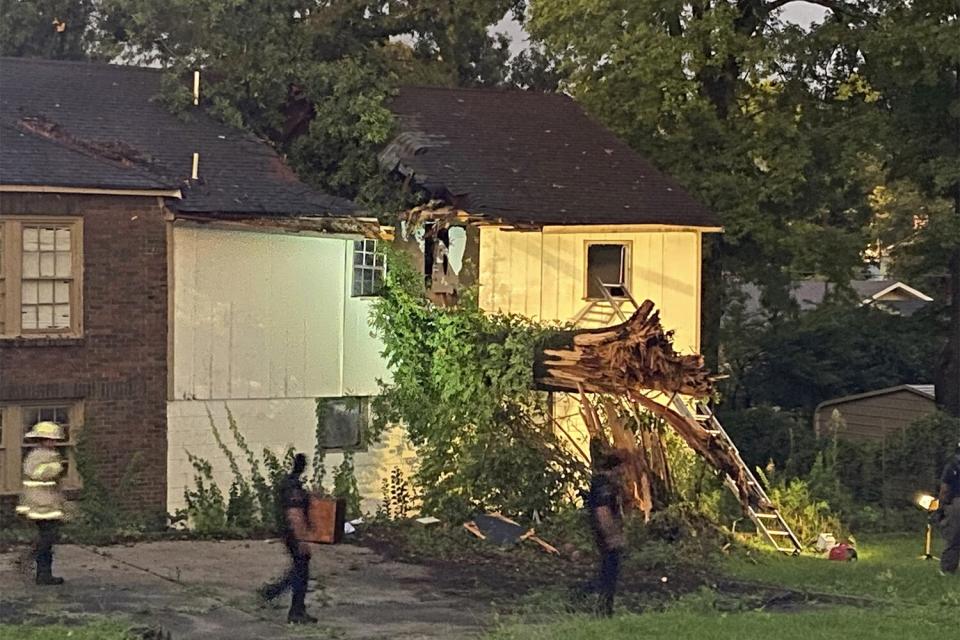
646 479
629 365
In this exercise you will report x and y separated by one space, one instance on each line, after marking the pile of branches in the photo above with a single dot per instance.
627 359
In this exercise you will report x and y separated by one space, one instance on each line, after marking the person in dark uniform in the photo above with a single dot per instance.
605 505
295 502
949 514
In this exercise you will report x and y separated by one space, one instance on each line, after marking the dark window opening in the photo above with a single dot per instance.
606 268
344 421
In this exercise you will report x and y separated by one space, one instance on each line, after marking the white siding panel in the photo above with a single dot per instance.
257 315
272 424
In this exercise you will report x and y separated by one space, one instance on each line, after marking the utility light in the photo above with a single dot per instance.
926 502
929 504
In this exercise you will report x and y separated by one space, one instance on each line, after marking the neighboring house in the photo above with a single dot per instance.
134 297
550 214
544 208
875 415
892 296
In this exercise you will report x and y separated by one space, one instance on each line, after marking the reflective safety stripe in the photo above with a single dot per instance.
45 515
52 467
22 508
39 483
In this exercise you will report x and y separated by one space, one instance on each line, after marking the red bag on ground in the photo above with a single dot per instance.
843 552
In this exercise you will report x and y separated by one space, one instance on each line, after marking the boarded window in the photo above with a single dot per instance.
606 267
369 267
344 421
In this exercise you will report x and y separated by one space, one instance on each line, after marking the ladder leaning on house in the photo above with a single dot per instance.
767 518
614 302
765 514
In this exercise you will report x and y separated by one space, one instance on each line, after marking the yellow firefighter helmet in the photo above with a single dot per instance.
46 430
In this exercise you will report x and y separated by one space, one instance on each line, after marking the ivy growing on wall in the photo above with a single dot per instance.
463 389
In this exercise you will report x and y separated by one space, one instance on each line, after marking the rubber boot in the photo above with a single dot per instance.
45 575
300 617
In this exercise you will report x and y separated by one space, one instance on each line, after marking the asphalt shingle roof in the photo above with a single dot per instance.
530 158
58 116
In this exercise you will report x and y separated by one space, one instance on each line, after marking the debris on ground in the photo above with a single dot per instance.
498 529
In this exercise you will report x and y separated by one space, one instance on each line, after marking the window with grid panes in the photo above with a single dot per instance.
40 287
369 268
18 420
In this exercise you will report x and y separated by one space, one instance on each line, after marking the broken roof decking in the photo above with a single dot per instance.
84 108
530 158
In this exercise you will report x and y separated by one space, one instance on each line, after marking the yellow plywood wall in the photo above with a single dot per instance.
541 274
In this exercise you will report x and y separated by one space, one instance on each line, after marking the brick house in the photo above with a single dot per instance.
118 220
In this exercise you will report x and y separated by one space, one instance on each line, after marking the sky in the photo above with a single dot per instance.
802 13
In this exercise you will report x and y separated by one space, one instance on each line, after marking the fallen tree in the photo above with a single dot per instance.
634 368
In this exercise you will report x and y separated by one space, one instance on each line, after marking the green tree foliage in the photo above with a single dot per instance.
910 53
57 29
716 93
834 350
463 387
312 77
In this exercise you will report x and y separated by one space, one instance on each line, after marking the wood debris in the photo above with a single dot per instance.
635 367
624 359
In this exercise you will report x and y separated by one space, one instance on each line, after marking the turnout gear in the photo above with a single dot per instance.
46 430
40 498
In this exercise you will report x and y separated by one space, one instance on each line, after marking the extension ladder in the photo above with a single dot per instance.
765 515
592 311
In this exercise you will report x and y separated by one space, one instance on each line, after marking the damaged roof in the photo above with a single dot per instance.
530 158
91 125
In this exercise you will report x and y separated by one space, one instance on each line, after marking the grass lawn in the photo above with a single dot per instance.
99 630
908 599
889 568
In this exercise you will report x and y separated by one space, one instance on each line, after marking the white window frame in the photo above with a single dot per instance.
367 251
626 252
11 276
12 444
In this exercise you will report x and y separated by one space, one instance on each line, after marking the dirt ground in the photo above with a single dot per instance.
368 591
207 590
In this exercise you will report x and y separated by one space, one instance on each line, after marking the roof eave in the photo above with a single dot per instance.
102 191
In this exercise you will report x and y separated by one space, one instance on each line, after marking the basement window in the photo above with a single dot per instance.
343 421
607 268
369 268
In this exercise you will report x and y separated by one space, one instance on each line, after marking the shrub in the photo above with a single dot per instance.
463 388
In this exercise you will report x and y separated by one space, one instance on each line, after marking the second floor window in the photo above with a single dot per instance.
40 265
369 268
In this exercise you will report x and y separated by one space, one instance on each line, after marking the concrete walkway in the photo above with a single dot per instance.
207 590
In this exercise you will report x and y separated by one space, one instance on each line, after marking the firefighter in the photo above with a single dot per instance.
40 499
948 514
294 501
